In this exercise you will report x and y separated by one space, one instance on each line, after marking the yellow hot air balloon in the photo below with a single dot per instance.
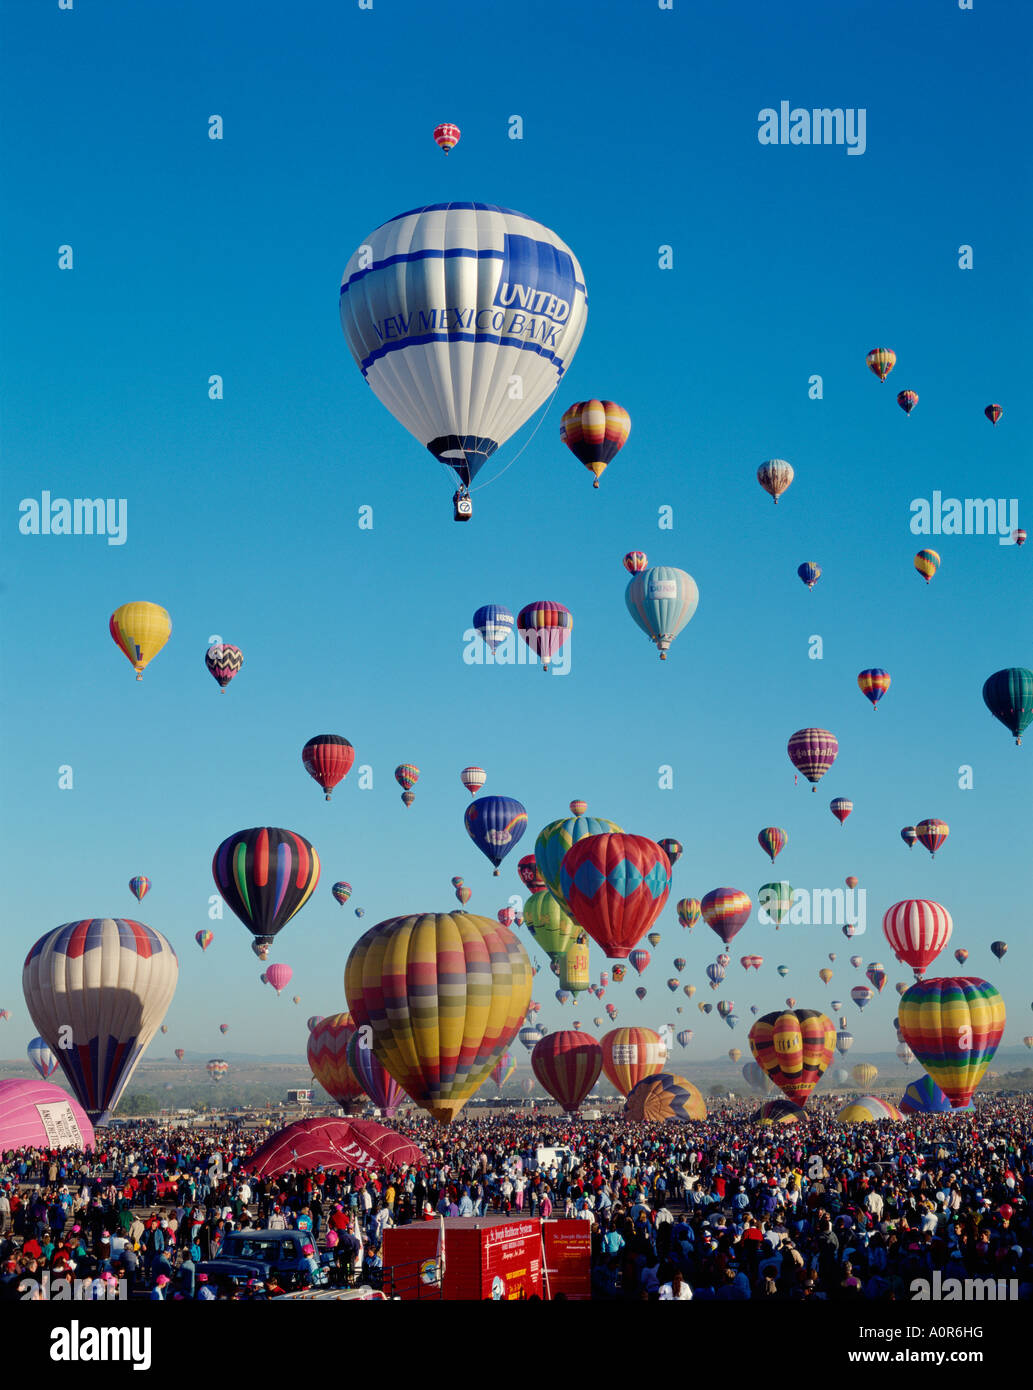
444 994
140 630
927 562
864 1074
825 975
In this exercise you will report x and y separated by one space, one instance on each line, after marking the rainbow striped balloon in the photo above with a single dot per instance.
867 1109
953 1025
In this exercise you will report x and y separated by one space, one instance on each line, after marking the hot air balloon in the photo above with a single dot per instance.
715 974
360 912
611 1009
567 1064
1019 536
907 400
825 975
909 835
812 752
545 626
810 573
999 948
407 775
734 1054
342 892
495 624
841 808
790 1003
905 1055
783 970
473 779
876 974
310 1023
932 833
751 962
111 980
529 873
563 996
631 1054
224 1027
139 886
527 1085
993 413
880 361
726 911
772 841
463 894
223 662
961 955
857 961
793 1049
140 630
635 561
1008 695
378 1083
725 1007
953 1026
179 1054
679 963
706 1008
327 759
774 477
595 432
836 1006
867 1110
446 137
204 938
917 929
618 972
689 912
662 600
616 885
638 960
724 960
42 1058
873 684
503 1070
532 1034
774 900
1028 1040
672 985
662 1097
328 1060
217 1068
673 849
279 976
852 881
688 990
506 915
685 1037
501 274
495 824
924 1097
927 562
844 1041
862 995
265 875
900 988
444 995
654 938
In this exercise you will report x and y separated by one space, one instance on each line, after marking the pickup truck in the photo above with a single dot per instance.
291 1255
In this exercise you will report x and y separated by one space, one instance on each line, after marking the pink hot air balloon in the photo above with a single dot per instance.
224 1027
506 916
279 976
812 752
917 929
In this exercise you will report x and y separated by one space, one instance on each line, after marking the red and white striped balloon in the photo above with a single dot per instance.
917 930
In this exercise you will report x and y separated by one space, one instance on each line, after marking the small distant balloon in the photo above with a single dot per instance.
446 136
342 892
595 432
473 779
993 413
636 561
927 562
873 684
223 662
841 808
907 400
328 758
881 361
140 886
204 939
810 573
775 476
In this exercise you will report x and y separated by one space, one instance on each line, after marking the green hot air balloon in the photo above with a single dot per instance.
1008 695
775 900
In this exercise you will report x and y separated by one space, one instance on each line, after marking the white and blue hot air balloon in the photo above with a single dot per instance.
42 1058
662 600
463 317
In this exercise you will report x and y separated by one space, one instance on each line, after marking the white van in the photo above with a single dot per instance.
559 1157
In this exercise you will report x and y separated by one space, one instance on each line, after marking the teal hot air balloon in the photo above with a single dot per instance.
1008 695
495 824
662 600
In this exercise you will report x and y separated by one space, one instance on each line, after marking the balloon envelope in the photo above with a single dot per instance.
265 875
662 600
867 1110
567 1064
953 1025
495 824
328 1059
617 886
111 980
629 1054
39 1115
794 1049
444 994
333 1144
378 1083
665 1096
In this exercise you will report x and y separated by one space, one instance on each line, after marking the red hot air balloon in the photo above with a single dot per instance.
328 759
841 808
567 1064
917 930
638 960
794 1050
616 885
812 752
446 136
772 841
726 911
595 432
529 875
932 833
636 561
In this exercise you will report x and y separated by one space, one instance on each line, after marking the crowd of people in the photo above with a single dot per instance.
715 1209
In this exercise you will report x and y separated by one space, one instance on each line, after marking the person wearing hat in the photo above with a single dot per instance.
205 1293
157 1294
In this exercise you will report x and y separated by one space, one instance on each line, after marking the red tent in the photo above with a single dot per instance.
333 1143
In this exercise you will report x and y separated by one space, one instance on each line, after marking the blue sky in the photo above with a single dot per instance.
195 257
